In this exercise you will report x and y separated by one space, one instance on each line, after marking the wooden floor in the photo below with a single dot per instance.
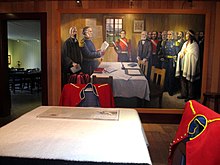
22 102
159 135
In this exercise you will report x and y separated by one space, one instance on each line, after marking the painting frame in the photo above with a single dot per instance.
138 26
128 17
9 59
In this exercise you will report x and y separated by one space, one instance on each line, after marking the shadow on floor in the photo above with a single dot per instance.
22 102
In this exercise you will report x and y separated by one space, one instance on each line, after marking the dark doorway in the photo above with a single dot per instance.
6 97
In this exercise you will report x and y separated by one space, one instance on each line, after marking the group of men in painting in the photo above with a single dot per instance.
79 56
180 55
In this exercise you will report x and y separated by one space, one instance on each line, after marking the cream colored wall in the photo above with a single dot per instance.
26 51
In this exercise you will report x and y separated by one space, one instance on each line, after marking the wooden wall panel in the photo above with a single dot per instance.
210 48
53 30
216 56
54 57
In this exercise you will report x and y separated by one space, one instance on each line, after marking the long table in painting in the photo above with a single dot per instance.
74 135
128 80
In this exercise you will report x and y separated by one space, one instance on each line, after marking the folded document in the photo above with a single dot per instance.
75 69
104 46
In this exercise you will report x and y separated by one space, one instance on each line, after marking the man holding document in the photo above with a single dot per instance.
90 54
71 56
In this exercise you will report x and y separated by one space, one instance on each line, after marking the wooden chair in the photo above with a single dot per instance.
103 80
79 78
156 83
16 80
144 66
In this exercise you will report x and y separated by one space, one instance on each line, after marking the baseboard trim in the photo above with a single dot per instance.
161 116
159 111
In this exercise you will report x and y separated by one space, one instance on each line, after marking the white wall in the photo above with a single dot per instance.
26 51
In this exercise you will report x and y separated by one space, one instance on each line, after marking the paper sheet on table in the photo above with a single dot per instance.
110 69
78 113
134 72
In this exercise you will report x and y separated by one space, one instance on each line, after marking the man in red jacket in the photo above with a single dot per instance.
123 48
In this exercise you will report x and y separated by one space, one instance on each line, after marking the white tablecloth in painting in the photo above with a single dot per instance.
52 132
128 84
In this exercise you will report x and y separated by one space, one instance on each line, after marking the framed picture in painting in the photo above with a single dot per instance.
138 25
9 59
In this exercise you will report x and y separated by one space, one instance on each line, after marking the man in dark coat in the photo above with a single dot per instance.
91 56
170 54
144 47
71 56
